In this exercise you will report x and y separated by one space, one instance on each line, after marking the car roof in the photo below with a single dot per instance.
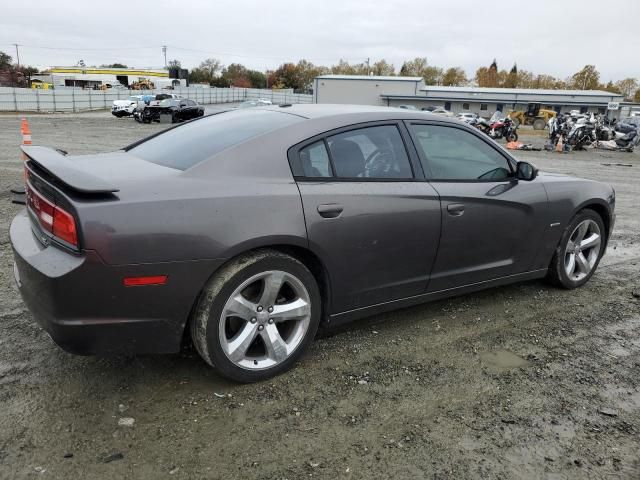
321 110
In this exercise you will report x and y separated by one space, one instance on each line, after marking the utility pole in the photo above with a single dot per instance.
164 51
17 54
368 70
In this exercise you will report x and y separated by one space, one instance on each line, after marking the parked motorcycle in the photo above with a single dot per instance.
504 128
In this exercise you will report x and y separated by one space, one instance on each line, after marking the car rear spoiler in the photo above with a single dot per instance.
66 171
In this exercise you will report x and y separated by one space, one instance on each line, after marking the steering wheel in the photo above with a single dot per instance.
377 161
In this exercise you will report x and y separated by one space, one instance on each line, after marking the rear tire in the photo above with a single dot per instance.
244 340
579 251
513 137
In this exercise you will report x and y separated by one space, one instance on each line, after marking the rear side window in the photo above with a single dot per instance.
373 153
314 160
185 146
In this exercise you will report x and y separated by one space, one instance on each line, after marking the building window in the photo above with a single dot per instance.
601 110
483 106
465 106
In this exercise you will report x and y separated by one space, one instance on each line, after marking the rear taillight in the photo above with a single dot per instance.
52 218
64 226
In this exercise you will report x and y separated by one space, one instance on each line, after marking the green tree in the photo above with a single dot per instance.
548 82
28 72
114 65
627 87
586 79
488 76
5 60
454 77
257 79
206 72
512 79
383 68
419 67
345 68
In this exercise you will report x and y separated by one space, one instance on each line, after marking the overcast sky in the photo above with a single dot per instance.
555 37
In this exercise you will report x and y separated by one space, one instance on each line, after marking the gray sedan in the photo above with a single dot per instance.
247 230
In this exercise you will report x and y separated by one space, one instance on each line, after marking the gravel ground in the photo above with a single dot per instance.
519 382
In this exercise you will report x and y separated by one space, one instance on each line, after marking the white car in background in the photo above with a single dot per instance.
125 108
260 102
466 117
442 111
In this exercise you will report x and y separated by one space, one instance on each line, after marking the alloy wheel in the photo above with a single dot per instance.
264 320
583 249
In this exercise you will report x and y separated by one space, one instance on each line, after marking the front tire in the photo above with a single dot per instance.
512 137
579 251
257 316
538 124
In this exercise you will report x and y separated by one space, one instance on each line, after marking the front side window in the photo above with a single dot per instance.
450 153
370 153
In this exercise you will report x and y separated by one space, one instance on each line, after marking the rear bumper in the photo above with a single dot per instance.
84 306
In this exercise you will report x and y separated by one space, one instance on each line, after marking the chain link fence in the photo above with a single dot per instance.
69 99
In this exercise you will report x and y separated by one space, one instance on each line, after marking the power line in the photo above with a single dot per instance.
82 49
165 47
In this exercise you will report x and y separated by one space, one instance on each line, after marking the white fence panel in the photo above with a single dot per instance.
69 99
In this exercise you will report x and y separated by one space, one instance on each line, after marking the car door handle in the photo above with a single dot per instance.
455 209
330 210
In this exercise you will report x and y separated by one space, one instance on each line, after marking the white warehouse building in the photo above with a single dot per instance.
395 91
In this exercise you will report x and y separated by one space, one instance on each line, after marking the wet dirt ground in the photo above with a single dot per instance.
518 382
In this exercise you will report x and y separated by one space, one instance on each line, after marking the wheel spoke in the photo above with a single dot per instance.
571 266
272 285
274 344
290 311
238 306
582 231
582 263
238 346
591 241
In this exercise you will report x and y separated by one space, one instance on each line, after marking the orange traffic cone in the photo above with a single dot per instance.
26 132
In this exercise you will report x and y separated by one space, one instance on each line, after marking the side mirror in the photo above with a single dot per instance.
526 171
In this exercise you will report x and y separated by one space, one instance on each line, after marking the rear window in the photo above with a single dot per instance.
193 142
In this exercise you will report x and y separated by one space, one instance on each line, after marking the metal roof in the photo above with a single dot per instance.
519 91
485 99
370 77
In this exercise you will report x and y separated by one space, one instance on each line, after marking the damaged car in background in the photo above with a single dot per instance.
125 108
175 110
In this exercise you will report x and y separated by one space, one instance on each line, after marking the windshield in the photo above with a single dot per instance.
185 146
